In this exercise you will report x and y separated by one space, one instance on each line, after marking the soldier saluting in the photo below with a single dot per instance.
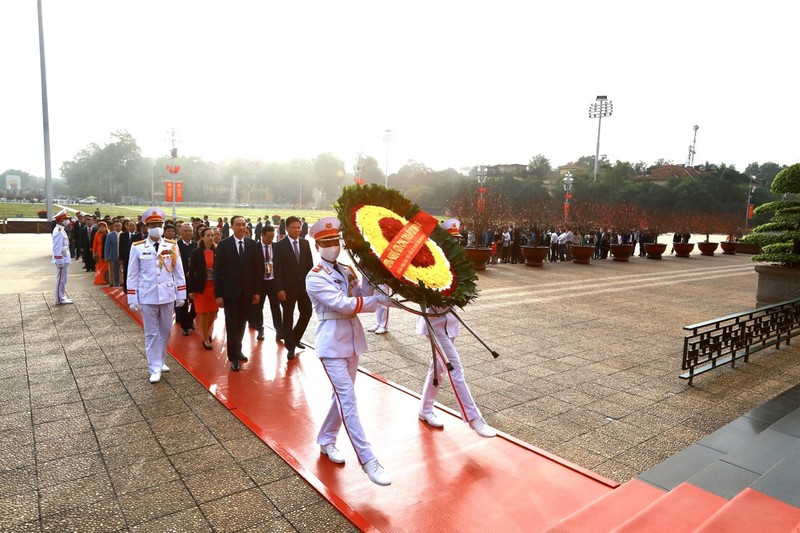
156 285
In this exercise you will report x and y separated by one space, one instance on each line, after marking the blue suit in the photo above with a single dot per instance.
111 254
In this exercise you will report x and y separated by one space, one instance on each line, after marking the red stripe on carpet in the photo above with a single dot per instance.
450 480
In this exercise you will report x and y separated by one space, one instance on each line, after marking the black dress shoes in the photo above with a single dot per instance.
278 338
235 365
301 345
185 332
291 355
242 358
260 336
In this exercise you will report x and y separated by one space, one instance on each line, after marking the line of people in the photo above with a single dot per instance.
194 279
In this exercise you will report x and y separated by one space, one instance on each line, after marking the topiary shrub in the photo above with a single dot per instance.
780 237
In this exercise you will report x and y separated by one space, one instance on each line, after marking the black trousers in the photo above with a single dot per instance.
237 310
292 333
257 313
185 315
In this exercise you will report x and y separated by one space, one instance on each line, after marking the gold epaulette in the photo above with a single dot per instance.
138 242
170 241
316 268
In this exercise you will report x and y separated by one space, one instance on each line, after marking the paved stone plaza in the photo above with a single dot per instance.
589 365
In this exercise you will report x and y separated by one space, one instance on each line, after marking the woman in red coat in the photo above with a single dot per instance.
200 284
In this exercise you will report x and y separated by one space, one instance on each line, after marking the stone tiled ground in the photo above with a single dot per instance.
588 370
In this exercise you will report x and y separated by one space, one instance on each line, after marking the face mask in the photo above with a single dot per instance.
155 233
330 253
65 223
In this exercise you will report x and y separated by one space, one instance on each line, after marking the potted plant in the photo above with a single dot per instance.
538 215
780 242
479 210
705 224
680 240
583 218
654 225
624 218
729 223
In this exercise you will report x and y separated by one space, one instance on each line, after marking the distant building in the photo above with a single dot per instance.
664 174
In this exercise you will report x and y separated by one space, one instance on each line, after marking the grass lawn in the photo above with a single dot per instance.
30 211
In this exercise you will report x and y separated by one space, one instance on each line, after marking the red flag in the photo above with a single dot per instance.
169 191
179 191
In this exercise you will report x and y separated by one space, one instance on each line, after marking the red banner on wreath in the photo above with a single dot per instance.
179 191
169 191
401 250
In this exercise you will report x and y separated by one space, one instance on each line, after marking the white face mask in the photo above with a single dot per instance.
330 253
65 223
155 233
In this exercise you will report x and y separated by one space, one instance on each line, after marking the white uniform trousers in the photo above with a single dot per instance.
61 282
157 320
382 316
466 404
342 373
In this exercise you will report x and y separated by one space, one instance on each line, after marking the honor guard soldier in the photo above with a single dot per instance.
337 298
156 285
61 255
446 328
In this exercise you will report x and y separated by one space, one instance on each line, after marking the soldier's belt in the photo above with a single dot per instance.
333 315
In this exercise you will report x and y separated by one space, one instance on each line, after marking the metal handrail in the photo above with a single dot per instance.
729 338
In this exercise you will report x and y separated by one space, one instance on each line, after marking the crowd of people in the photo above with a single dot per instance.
183 272
506 241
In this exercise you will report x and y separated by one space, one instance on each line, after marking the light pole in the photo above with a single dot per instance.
48 179
481 173
568 181
387 136
602 107
749 213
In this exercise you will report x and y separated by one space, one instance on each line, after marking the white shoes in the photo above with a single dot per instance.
482 428
381 330
373 329
431 419
155 377
332 452
164 367
376 473
66 301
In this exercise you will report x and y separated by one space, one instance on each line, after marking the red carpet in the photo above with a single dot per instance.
442 480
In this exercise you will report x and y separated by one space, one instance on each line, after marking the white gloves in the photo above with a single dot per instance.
134 307
179 303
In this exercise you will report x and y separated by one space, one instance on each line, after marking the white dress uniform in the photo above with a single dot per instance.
447 328
61 258
155 281
337 298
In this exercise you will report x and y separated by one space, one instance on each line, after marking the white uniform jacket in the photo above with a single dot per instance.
155 277
446 326
337 301
61 254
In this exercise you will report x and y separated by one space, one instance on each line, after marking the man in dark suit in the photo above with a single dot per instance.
238 276
126 239
87 237
267 289
303 228
185 315
226 228
292 262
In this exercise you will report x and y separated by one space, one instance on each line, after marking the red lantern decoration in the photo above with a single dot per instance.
173 169
360 181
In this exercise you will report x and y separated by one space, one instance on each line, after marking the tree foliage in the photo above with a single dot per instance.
780 237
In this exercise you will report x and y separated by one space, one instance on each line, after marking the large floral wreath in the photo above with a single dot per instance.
375 218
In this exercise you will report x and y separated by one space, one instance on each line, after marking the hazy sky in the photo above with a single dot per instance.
458 83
